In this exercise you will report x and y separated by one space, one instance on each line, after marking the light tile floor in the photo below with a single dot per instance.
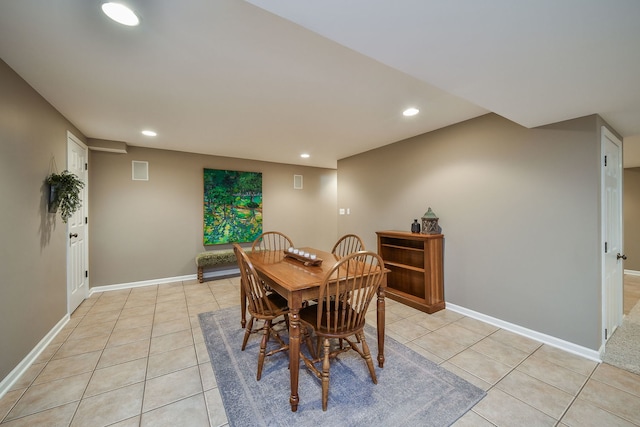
137 358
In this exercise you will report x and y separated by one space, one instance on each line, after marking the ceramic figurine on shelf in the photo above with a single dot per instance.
415 227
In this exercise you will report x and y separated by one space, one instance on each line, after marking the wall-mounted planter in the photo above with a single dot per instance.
52 202
64 194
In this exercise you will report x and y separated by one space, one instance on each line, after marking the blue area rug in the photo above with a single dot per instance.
411 390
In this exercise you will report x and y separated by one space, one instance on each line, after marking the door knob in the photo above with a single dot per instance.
72 235
622 256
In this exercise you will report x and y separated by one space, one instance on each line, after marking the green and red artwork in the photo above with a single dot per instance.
232 206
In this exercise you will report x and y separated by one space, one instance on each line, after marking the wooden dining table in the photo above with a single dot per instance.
298 283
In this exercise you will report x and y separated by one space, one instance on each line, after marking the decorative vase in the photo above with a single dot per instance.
430 223
415 227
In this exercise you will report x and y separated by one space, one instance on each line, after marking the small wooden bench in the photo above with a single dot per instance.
215 258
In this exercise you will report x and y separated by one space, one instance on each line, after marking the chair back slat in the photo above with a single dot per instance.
346 292
347 244
257 302
271 241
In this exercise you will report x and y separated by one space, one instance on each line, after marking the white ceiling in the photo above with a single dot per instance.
270 79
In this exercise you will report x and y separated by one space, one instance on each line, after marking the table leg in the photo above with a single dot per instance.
243 307
294 353
381 315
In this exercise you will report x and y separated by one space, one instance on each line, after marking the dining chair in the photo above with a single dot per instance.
347 244
339 316
263 306
271 241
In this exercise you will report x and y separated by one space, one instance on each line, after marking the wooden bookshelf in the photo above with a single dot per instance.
415 262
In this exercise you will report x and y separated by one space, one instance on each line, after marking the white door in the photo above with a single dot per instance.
611 233
77 248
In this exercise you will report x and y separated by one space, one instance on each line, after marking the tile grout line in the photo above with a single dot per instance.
578 394
146 371
200 373
204 397
492 386
75 413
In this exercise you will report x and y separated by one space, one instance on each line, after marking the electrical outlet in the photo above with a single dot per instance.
341 211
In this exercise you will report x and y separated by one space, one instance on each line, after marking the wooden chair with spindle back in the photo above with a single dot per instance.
271 241
267 241
343 299
263 306
347 244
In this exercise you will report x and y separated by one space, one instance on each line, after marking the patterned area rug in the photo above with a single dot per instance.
411 390
623 348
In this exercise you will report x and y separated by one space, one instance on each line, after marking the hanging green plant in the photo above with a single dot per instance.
64 193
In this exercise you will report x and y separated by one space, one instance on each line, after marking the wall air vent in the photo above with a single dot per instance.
139 171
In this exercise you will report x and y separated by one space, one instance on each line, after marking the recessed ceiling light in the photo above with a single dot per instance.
120 13
149 133
410 112
305 156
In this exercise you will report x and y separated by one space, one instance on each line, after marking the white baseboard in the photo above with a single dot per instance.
207 275
632 272
140 284
537 336
14 375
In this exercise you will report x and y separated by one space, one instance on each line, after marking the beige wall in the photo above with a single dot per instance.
631 215
33 296
519 209
143 230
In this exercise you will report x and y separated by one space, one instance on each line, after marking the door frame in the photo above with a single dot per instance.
607 134
71 138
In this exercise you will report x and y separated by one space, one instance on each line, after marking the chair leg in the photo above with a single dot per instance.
266 332
367 357
318 347
325 375
247 332
307 340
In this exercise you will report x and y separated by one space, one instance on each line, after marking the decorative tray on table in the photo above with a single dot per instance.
306 260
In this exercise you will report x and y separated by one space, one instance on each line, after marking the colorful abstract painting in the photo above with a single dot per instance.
232 206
